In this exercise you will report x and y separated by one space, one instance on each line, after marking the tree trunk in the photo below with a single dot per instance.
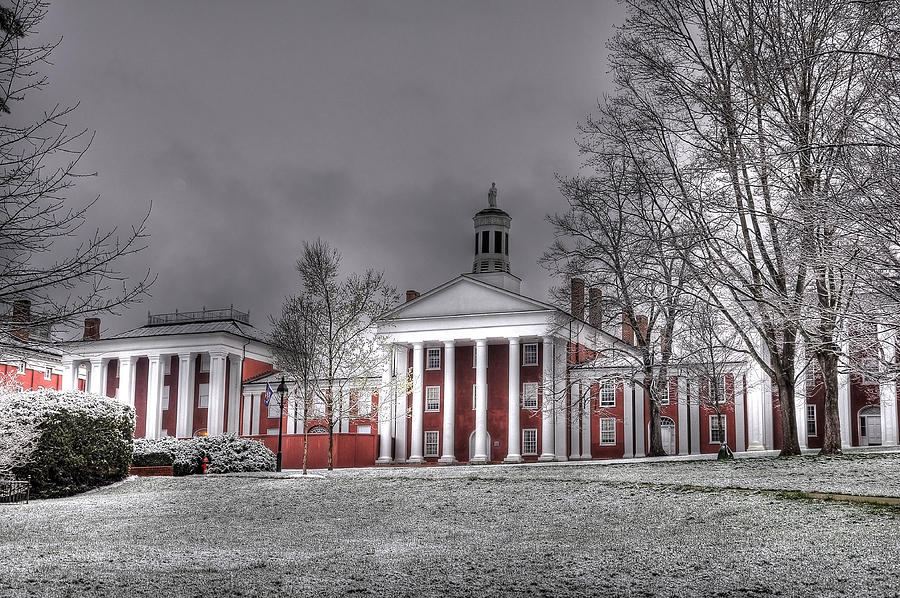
831 441
790 446
656 447
305 441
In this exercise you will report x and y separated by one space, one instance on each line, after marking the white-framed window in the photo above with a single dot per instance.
666 398
431 443
717 434
165 398
167 365
608 393
607 430
529 441
530 395
272 431
433 360
530 354
363 402
363 429
203 399
432 398
204 362
48 373
274 409
811 420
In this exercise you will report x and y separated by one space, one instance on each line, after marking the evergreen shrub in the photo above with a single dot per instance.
227 454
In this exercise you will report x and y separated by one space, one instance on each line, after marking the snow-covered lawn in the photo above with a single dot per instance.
483 531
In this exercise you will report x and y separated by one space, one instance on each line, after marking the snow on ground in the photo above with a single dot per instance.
461 531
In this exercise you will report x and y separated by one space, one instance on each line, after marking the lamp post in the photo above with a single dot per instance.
282 392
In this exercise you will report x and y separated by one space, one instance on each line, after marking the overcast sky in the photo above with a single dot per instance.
377 126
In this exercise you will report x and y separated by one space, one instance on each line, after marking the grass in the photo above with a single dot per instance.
460 531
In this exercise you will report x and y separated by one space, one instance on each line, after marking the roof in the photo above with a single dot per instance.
30 348
227 326
492 212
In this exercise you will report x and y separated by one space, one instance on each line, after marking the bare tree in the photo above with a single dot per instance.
329 336
39 164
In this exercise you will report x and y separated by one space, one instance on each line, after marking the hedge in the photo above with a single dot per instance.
226 453
66 442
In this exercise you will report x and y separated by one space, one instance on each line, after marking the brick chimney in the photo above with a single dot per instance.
21 314
595 314
642 323
627 332
577 287
91 329
410 295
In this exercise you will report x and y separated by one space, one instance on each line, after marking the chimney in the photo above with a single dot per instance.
642 323
627 332
21 314
91 329
410 295
595 315
577 286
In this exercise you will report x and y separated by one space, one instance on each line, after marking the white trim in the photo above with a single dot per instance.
713 417
428 354
530 391
525 450
164 399
610 384
812 428
611 422
203 395
525 349
433 446
437 397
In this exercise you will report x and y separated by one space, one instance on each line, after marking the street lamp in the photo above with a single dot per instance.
282 391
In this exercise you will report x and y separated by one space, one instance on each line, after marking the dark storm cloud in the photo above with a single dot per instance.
377 126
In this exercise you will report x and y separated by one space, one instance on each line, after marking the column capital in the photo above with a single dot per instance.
218 353
186 355
418 345
449 344
514 340
235 358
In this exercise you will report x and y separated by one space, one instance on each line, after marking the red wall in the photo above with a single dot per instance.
253 368
350 450
32 379
200 413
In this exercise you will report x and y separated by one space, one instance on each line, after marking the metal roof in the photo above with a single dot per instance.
228 326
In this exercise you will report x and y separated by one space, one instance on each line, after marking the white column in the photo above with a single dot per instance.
800 366
640 422
104 377
95 379
125 392
69 376
561 395
888 387
695 418
514 433
385 398
216 413
247 415
628 418
844 395
154 395
234 393
418 405
575 420
254 416
481 442
402 416
759 396
548 433
586 421
184 416
683 423
740 390
448 453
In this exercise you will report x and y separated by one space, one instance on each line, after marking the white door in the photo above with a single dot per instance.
667 430
870 426
874 428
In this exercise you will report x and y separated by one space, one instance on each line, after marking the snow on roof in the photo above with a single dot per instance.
228 326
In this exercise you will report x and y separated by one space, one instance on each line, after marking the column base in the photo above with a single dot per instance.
383 460
479 460
561 458
547 457
415 459
513 459
448 459
756 447
575 457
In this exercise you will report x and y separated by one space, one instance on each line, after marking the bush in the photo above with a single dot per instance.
66 442
226 453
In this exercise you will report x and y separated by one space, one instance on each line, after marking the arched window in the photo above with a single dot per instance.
317 430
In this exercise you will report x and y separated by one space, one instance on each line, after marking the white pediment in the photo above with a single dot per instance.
466 296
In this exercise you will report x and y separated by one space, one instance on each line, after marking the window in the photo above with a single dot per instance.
167 366
48 373
363 429
434 359
530 395
506 246
529 354
529 441
476 243
432 398
363 402
498 241
204 362
272 431
274 408
485 240
717 434
203 399
811 420
607 430
431 443
607 393
165 398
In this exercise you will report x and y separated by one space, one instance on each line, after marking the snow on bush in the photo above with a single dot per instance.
66 442
227 454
